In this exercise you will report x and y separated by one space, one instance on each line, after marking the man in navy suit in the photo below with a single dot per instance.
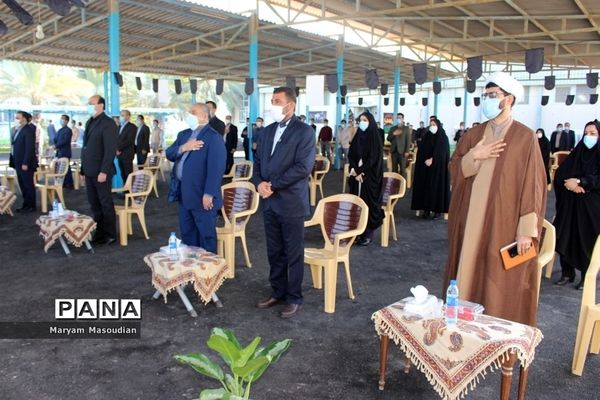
285 156
199 156
62 141
23 159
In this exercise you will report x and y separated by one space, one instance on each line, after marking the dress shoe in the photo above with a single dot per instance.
364 241
564 280
436 216
98 239
290 310
109 240
579 286
425 215
269 302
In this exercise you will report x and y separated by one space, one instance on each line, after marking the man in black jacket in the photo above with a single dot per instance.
231 141
62 141
562 139
126 144
97 157
214 121
24 160
142 141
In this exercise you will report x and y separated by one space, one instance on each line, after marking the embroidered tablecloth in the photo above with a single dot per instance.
75 227
7 199
454 358
204 269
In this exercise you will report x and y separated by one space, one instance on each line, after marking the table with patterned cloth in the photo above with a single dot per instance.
454 358
7 199
74 227
205 270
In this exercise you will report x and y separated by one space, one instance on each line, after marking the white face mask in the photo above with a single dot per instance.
433 129
192 121
363 125
277 113
539 135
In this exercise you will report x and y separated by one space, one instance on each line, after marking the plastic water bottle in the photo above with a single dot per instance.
452 304
55 208
173 254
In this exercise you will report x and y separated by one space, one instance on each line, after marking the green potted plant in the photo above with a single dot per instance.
246 364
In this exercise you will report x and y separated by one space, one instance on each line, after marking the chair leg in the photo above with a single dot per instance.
549 268
321 189
245 248
142 218
344 185
595 348
122 228
582 344
393 222
330 286
317 276
313 193
44 199
230 254
385 230
59 192
129 224
155 185
348 280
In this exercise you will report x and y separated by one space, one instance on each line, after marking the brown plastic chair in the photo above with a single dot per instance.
315 179
137 188
153 164
588 328
240 201
394 188
410 162
346 176
240 171
50 182
342 218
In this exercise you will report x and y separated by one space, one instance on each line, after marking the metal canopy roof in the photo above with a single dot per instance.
173 37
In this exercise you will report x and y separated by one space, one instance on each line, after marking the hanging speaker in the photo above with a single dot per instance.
476 101
178 86
360 100
424 101
219 88
290 82
402 101
249 87
570 98
549 82
118 79
386 101
193 86
545 100
457 101
412 88
471 86
591 79
138 83
342 100
155 85
437 87
593 98
343 90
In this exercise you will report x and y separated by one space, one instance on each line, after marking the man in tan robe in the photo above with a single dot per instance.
498 197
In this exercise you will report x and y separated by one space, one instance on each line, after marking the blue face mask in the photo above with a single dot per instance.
363 125
491 108
192 121
91 109
63 122
590 141
122 120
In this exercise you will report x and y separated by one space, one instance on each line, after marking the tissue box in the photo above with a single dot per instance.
467 310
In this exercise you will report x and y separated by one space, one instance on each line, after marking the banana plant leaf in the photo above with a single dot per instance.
24 17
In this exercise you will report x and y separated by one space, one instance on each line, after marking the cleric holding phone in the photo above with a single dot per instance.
285 156
498 197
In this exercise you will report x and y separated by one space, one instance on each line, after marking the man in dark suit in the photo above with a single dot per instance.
285 156
62 141
214 121
97 157
126 144
142 141
562 139
231 141
24 160
199 156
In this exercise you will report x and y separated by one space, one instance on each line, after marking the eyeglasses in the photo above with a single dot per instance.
492 95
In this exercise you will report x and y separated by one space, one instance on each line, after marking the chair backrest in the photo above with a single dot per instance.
588 298
239 197
242 170
59 167
341 213
153 161
140 184
321 165
548 240
560 156
394 187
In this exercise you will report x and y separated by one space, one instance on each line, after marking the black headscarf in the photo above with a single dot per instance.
368 147
577 223
545 149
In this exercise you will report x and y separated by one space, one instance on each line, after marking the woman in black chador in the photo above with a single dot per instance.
366 168
577 221
545 149
431 183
